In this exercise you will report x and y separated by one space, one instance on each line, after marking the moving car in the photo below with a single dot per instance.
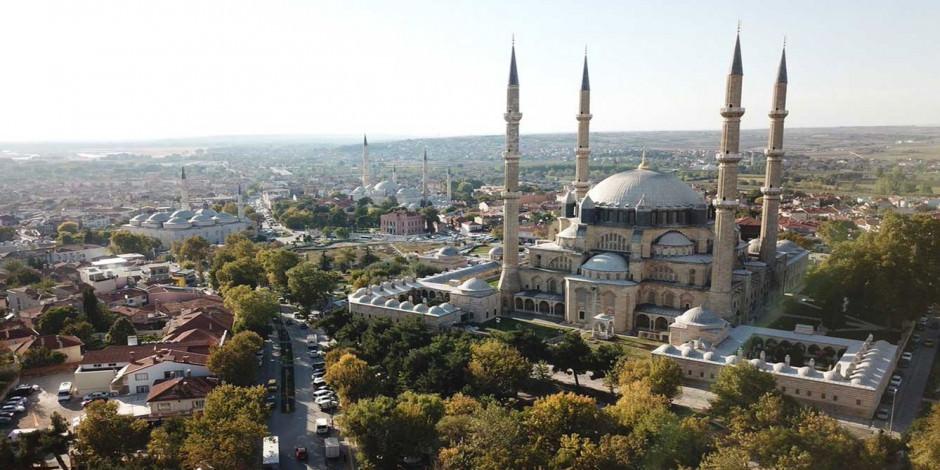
323 426
65 392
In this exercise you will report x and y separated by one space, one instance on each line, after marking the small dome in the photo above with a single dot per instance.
832 375
805 371
436 310
606 262
700 316
361 291
756 363
570 231
475 284
788 246
378 301
159 217
182 213
673 238
206 211
657 190
685 350
391 303
709 356
421 308
753 246
406 305
732 359
365 299
448 251
496 251
140 217
780 366
177 222
224 218
448 307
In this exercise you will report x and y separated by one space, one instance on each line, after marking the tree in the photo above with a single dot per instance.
552 417
351 378
662 375
240 272
311 286
572 355
195 249
604 359
234 362
924 442
123 241
837 231
79 328
253 308
19 274
739 387
166 443
52 322
106 436
228 432
527 342
7 234
497 368
800 240
41 357
95 312
495 439
69 233
120 330
342 233
276 262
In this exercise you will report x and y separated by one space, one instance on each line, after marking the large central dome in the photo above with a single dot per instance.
656 190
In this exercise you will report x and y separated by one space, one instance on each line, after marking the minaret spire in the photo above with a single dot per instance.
583 150
240 204
366 170
726 201
449 181
509 277
774 168
424 175
394 174
184 190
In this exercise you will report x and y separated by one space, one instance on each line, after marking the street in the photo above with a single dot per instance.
297 429
908 400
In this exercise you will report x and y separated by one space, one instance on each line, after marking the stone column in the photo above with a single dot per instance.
509 278
774 171
583 152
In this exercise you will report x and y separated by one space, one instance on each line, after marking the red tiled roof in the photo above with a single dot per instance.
167 355
182 388
122 353
50 342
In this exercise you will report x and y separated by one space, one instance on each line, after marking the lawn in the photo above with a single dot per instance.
637 348
509 324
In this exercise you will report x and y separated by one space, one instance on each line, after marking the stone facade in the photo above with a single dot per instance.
402 222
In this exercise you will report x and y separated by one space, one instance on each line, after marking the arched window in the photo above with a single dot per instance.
518 303
691 277
651 297
553 286
612 242
669 299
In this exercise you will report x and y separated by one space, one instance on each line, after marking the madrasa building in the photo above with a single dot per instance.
185 222
640 247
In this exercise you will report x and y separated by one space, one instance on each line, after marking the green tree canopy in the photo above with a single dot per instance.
105 436
276 262
739 387
120 330
311 286
228 432
572 355
497 368
123 241
253 308
662 375
234 362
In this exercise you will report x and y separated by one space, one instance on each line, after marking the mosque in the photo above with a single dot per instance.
408 197
638 249
184 222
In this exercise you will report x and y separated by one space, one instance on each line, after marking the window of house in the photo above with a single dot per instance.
858 402
823 396
141 376
163 406
783 389
835 398
199 404
143 389
809 393
711 376
690 372
701 374
581 315
797 391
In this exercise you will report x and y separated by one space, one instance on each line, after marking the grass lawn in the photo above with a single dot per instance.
494 283
509 324
637 348
482 250
788 323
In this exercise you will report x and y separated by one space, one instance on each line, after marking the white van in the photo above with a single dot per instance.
65 392
323 426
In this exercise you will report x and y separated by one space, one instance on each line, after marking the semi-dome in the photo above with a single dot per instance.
606 262
177 222
700 316
673 238
182 214
475 285
406 305
203 219
139 218
391 303
385 187
421 308
436 311
159 217
224 218
657 190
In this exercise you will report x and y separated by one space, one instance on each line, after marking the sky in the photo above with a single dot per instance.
126 69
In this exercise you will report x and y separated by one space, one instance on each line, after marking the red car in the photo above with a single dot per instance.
300 453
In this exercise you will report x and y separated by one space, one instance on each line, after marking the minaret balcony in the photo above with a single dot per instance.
771 191
583 117
774 153
512 116
728 157
726 203
732 111
778 114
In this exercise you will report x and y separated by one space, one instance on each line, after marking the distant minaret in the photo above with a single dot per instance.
509 278
774 152
366 177
240 203
449 193
394 174
424 176
184 190
583 151
726 202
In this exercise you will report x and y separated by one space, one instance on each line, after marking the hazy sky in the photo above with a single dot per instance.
129 69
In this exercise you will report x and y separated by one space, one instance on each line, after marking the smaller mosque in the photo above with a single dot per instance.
183 223
408 197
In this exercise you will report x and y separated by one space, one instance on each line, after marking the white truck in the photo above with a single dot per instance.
332 447
271 454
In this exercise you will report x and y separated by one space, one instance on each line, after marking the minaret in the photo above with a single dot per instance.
240 203
184 190
509 278
726 201
394 174
366 177
449 181
774 152
424 176
583 151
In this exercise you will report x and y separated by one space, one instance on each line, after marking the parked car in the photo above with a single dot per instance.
300 453
94 395
323 393
317 373
896 381
323 426
907 356
6 419
929 343
13 408
272 385
88 402
883 413
24 390
319 380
